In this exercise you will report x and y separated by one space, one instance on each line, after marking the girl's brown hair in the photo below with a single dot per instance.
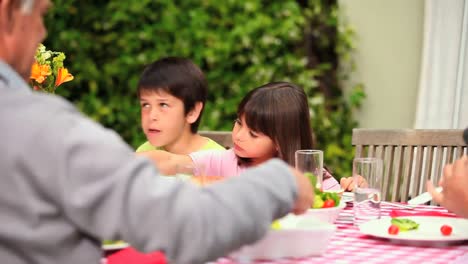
280 111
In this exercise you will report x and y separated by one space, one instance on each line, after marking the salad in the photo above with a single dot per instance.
322 199
113 242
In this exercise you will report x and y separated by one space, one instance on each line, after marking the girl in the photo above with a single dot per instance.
272 121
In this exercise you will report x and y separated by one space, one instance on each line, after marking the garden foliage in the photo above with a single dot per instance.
238 44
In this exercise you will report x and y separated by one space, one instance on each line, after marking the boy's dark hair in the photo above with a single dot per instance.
179 77
280 111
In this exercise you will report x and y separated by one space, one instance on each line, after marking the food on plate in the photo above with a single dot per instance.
323 199
446 230
112 242
328 203
204 180
393 230
275 225
318 202
404 224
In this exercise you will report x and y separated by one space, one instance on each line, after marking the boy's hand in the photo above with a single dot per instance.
305 193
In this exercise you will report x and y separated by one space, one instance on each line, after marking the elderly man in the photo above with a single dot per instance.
68 183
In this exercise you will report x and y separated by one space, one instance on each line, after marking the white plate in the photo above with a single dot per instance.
428 231
115 246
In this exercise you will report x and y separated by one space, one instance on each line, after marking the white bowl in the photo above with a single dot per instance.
328 215
299 236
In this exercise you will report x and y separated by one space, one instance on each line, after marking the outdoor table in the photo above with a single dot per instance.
349 245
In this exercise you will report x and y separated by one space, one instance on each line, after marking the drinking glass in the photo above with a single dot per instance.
310 161
367 198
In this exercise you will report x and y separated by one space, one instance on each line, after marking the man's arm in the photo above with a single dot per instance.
109 193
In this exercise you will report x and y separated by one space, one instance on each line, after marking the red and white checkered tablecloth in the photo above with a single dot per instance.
348 245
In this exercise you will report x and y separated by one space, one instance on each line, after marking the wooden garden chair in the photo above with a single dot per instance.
411 157
222 137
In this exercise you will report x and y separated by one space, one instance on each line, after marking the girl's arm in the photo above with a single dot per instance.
346 183
329 182
165 161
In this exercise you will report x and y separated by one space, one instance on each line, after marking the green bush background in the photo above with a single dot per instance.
238 44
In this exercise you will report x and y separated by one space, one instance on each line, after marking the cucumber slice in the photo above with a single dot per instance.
405 224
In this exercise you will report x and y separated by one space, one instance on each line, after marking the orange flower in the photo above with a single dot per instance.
63 76
40 72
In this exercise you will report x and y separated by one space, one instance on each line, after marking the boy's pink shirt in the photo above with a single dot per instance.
224 163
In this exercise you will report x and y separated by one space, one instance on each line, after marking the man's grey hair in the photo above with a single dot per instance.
27 6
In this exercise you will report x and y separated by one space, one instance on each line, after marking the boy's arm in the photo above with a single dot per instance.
165 161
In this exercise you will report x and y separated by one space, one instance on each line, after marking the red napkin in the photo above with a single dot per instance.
130 255
403 213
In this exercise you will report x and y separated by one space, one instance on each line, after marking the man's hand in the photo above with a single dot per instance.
305 193
454 196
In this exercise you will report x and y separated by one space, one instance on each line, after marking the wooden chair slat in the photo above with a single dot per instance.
370 151
418 167
398 161
459 152
379 152
358 152
449 154
406 176
388 163
428 164
439 157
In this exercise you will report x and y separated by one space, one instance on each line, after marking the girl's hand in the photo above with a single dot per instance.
347 183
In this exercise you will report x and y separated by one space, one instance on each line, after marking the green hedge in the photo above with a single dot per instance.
238 44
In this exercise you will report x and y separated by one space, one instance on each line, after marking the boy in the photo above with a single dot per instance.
172 93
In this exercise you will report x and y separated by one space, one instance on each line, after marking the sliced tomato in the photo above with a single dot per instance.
393 230
446 230
328 203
